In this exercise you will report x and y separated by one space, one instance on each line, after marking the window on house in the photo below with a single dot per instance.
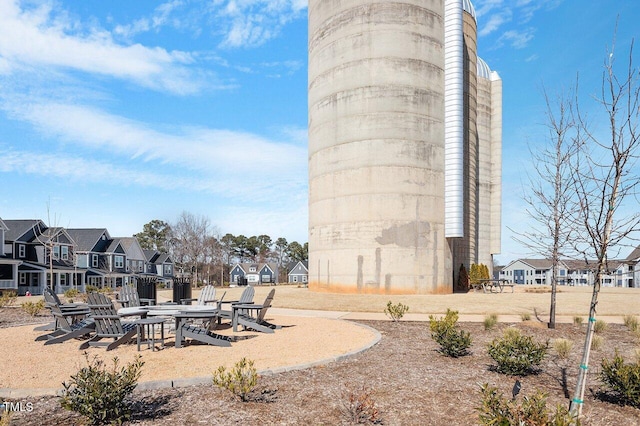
64 252
23 278
304 278
119 262
56 252
295 278
266 278
167 269
22 250
252 269
63 279
94 260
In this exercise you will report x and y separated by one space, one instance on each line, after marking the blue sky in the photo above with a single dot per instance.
116 113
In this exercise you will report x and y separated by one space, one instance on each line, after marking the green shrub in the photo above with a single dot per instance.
360 408
490 321
240 381
526 316
596 342
395 312
517 354
453 342
563 347
578 320
631 322
599 326
91 289
622 380
8 298
496 410
33 308
100 393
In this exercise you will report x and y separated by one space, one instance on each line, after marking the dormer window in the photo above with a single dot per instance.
252 269
22 251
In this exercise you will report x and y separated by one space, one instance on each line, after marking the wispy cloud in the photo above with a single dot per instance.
251 23
40 38
222 157
505 19
517 39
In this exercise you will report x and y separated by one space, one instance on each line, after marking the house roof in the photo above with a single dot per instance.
245 266
2 225
634 255
87 238
132 248
17 228
293 265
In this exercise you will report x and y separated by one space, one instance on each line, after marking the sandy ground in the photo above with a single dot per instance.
36 369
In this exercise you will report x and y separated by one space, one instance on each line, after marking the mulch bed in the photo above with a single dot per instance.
408 379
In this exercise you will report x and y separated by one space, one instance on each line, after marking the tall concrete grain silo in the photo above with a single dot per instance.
390 210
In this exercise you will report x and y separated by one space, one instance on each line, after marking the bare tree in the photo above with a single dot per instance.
188 241
551 200
605 175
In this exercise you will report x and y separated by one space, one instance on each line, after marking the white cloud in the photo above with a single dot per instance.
38 38
251 23
517 39
494 22
222 157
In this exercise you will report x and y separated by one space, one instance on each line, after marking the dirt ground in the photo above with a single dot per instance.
410 382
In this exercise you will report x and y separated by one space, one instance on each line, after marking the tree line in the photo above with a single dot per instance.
198 248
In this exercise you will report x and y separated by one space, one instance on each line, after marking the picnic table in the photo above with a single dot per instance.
492 286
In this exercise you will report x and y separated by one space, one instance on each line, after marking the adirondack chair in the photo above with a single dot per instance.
67 330
207 296
245 298
203 334
108 324
129 298
251 316
73 311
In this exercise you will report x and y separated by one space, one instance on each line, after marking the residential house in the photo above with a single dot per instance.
570 272
46 256
8 265
103 257
160 265
299 272
136 260
254 273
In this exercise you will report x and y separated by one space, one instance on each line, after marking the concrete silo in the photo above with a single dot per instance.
380 217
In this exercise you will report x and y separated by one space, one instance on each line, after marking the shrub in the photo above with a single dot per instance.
490 321
100 393
360 407
240 381
563 347
395 312
526 316
495 409
517 354
596 342
91 289
8 298
33 308
599 326
453 342
5 418
578 320
71 294
622 380
631 322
